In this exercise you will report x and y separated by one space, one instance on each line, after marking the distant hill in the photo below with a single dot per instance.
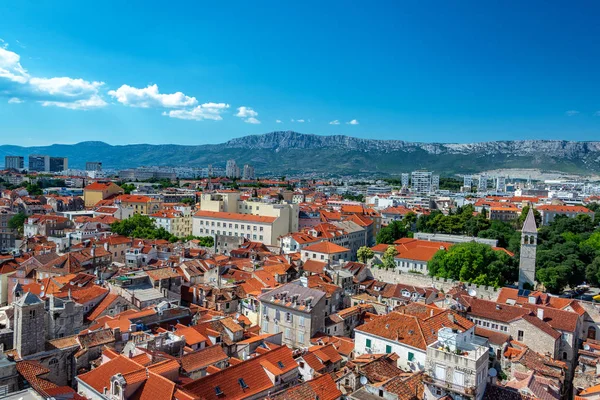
290 152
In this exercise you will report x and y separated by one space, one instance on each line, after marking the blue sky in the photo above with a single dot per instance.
420 71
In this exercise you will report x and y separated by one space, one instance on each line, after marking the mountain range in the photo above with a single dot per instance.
288 152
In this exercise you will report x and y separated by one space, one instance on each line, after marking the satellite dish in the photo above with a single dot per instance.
586 347
492 372
472 292
363 380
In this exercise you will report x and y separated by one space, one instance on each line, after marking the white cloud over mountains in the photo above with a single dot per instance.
65 92
248 115
151 97
212 111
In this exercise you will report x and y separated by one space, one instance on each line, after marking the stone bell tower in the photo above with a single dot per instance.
528 251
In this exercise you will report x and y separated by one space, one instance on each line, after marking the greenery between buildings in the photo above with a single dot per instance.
144 227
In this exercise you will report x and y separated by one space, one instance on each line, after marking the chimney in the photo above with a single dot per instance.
540 313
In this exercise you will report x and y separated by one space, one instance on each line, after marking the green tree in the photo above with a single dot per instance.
17 221
188 201
473 262
392 232
364 254
34 190
388 257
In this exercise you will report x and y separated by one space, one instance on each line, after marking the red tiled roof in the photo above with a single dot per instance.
413 331
564 209
252 372
326 248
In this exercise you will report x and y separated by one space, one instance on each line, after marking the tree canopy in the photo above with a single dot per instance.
474 262
568 253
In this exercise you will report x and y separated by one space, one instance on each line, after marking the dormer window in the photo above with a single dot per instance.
242 383
218 391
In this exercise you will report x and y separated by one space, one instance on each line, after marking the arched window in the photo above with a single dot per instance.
591 333
53 361
116 389
525 239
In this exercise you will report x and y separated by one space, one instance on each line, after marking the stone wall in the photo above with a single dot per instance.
392 276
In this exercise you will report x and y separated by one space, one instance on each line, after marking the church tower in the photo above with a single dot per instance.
29 327
528 251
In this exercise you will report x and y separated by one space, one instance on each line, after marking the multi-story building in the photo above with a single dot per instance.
248 172
93 166
57 164
326 252
421 181
295 310
144 205
14 162
224 213
467 181
405 178
232 170
7 235
39 163
177 222
483 183
456 365
252 227
549 212
98 191
406 335
435 183
501 184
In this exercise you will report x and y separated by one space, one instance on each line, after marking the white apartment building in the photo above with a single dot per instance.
421 181
224 213
457 365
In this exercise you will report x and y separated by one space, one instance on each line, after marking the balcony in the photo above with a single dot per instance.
469 391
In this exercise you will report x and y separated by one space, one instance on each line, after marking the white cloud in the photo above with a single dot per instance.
204 111
572 113
353 122
86 104
299 120
14 100
16 82
248 114
334 122
151 97
278 121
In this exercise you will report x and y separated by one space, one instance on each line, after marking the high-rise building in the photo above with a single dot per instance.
39 163
232 170
14 162
93 166
57 164
405 177
501 184
435 183
42 163
482 185
421 181
248 172
467 181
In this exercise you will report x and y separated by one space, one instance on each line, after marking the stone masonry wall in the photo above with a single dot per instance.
391 276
